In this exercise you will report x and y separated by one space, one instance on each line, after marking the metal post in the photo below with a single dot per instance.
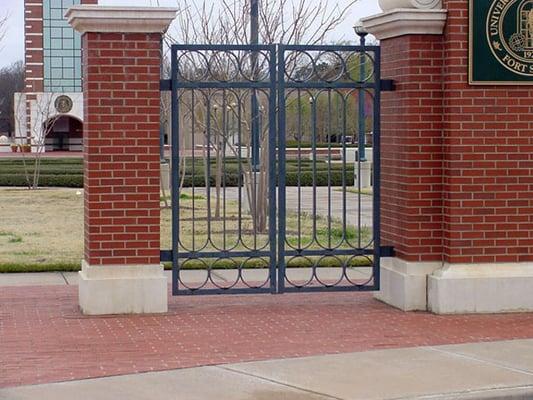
361 141
254 40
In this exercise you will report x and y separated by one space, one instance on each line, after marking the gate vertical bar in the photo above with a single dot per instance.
175 170
376 151
281 169
272 140
254 40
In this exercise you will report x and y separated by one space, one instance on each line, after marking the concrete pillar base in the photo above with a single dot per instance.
404 284
481 288
366 175
165 176
122 289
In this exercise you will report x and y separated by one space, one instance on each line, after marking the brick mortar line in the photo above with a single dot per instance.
262 378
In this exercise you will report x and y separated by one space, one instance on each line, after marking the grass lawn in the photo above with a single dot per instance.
43 229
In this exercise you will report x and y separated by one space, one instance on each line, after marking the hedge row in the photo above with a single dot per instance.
69 173
305 179
76 181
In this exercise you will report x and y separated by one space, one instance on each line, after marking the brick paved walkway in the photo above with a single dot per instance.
43 337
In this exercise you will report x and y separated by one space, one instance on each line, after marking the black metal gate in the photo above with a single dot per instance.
269 166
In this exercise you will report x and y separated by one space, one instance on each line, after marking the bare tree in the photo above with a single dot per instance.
280 21
3 29
11 82
43 118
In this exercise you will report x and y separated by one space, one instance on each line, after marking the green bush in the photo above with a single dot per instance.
69 173
74 181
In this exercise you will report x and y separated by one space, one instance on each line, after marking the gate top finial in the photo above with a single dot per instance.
90 18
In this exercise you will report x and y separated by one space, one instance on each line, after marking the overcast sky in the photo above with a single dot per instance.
12 48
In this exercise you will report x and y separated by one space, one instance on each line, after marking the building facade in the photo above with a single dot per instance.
49 113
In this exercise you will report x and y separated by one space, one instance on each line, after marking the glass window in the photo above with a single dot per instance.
56 44
68 62
57 62
56 33
68 43
55 13
62 48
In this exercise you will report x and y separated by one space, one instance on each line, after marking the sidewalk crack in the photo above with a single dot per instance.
64 278
483 360
236 371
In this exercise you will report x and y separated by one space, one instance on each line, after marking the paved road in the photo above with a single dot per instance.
323 208
497 370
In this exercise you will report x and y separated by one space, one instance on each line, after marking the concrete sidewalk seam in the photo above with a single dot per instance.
262 378
482 360
64 278
487 394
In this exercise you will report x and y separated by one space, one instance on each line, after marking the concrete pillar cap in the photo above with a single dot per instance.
91 18
405 21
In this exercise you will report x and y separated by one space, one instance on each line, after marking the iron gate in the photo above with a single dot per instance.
263 168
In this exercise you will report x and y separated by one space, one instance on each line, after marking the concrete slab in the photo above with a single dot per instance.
32 279
387 374
515 354
479 371
191 384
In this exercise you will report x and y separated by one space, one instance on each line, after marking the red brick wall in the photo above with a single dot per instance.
411 134
488 167
121 147
487 154
33 34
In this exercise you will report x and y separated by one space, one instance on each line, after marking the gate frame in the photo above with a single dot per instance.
277 85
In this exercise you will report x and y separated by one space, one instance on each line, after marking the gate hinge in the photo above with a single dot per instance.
166 84
387 251
165 255
387 85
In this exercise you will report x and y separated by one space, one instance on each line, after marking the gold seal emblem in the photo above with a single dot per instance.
63 104
510 34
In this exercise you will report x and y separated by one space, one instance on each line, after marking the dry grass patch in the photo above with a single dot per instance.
41 226
44 227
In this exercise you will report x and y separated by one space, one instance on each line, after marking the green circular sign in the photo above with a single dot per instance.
510 34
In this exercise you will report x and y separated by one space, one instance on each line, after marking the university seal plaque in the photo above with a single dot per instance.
63 104
501 42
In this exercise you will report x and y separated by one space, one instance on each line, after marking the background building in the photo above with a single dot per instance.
50 110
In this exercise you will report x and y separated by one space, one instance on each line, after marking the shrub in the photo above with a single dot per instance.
74 181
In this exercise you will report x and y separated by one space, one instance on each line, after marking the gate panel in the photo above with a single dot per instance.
252 124
223 192
328 225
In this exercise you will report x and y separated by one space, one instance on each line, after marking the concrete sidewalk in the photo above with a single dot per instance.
494 370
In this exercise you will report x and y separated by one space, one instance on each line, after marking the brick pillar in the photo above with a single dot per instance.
411 157
121 272
457 171
411 160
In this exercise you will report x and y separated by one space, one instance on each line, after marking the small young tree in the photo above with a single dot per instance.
43 117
